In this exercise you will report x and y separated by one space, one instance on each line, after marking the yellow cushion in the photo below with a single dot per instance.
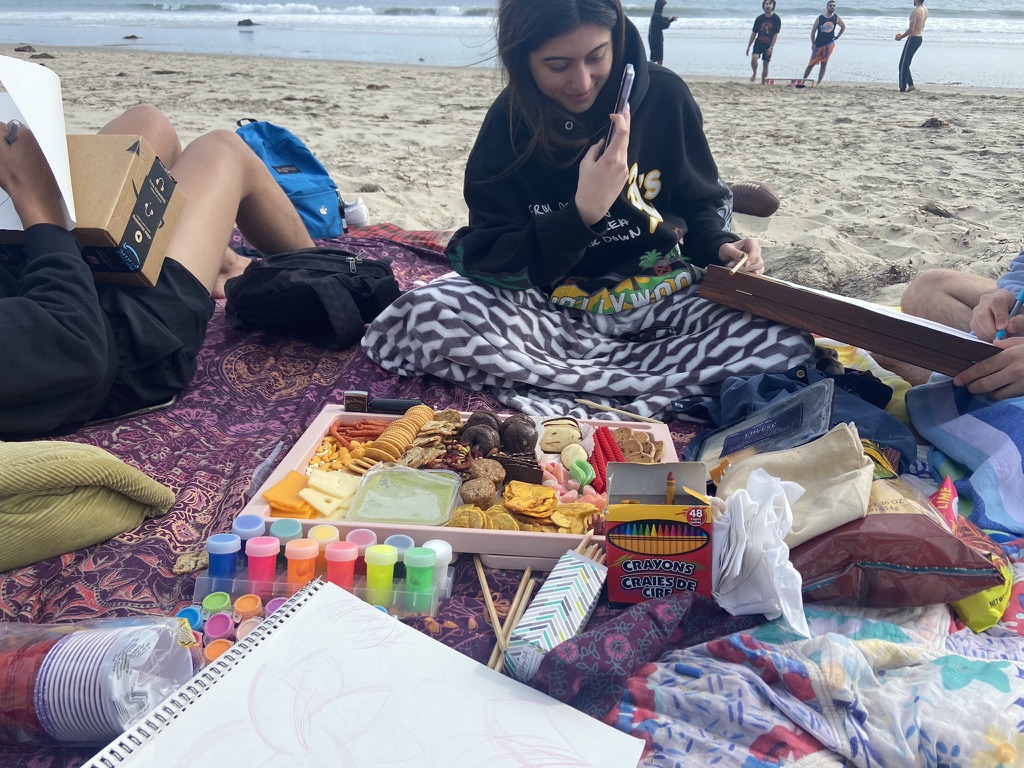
56 497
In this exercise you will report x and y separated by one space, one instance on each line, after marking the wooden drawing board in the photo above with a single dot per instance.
876 329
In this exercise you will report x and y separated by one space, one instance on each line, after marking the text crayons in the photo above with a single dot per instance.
301 555
419 578
261 553
341 563
380 573
362 538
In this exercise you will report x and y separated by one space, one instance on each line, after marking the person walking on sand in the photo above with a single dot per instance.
823 38
766 30
915 28
656 32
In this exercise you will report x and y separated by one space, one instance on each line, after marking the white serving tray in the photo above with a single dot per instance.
497 549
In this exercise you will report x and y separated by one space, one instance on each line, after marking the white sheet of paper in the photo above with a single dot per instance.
33 97
341 683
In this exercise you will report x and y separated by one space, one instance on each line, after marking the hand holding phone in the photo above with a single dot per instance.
625 88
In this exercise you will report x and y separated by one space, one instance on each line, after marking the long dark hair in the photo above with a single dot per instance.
523 26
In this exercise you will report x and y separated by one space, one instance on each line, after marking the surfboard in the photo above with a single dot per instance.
797 82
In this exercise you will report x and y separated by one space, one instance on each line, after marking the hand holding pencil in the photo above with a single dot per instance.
742 255
1001 334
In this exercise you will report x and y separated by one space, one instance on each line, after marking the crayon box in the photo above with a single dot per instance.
657 534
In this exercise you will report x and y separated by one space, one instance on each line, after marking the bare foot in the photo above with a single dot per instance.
753 77
232 266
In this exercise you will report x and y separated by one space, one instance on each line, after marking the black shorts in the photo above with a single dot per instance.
761 49
159 331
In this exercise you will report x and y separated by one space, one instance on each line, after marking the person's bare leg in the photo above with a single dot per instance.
753 68
764 73
148 121
821 71
945 296
223 181
807 72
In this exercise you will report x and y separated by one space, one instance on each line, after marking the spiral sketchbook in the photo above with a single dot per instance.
329 680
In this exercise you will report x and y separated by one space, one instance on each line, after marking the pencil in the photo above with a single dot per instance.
506 628
513 619
491 611
631 416
738 264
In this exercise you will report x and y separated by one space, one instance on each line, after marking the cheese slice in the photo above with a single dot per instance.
324 503
340 484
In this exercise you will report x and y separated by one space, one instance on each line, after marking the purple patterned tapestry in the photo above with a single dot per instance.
252 394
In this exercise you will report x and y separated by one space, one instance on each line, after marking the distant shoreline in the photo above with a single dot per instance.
856 164
413 41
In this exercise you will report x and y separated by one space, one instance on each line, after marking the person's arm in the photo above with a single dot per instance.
775 37
750 42
1000 376
508 245
910 25
814 30
54 342
842 26
699 189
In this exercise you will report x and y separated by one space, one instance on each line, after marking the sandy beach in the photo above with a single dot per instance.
855 165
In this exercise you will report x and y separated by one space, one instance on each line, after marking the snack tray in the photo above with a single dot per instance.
497 549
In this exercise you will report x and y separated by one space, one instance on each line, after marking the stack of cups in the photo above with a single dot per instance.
94 683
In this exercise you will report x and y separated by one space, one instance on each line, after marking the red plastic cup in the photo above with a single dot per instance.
341 563
20 660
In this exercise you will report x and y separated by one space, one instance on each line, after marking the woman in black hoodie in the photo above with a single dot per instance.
580 261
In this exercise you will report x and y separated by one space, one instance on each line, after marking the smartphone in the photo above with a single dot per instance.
625 87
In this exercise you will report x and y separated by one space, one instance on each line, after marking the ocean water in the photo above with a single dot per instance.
967 42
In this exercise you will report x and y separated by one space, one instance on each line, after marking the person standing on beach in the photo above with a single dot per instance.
766 30
656 31
827 28
74 351
578 271
915 28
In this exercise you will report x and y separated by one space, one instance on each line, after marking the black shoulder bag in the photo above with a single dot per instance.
325 295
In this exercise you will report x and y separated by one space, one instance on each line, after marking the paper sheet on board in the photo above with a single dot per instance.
33 96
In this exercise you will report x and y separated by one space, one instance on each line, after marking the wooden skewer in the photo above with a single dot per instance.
491 611
584 541
738 264
506 628
514 619
627 414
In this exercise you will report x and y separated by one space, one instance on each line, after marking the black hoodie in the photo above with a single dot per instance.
56 346
525 231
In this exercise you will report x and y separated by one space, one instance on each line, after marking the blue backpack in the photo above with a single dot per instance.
303 178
